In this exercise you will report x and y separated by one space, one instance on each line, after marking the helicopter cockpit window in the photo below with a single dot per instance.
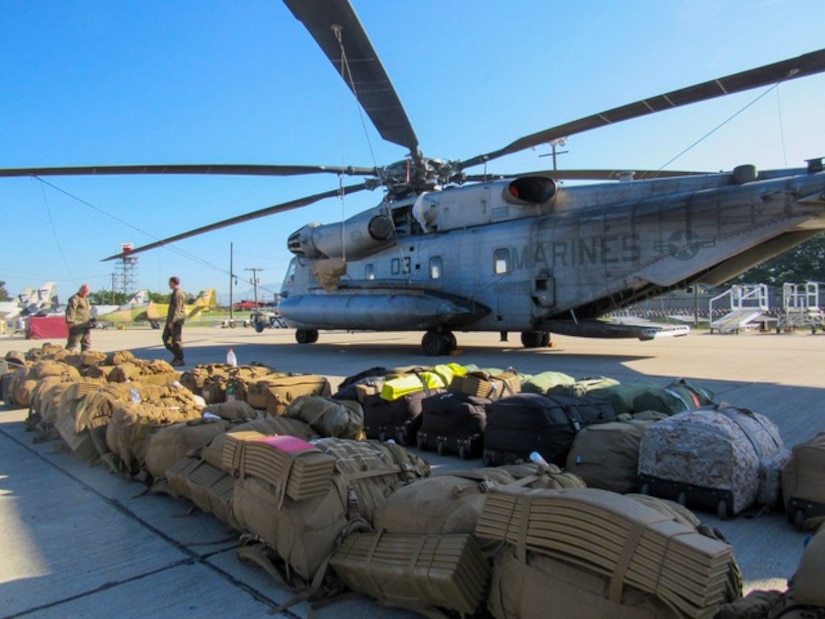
435 267
501 261
290 273
369 271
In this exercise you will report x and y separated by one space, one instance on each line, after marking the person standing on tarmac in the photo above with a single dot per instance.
175 317
79 320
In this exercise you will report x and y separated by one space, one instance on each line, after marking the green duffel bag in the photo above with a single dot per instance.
640 396
545 382
583 386
606 455
329 417
692 394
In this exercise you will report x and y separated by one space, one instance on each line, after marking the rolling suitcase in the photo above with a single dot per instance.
803 481
708 458
398 419
606 455
453 422
527 422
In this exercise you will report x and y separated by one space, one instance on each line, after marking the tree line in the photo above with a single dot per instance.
107 297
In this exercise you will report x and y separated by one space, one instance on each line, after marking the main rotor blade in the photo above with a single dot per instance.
197 168
793 68
589 175
370 83
269 210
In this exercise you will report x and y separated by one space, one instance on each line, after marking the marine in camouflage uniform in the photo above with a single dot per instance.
79 320
175 317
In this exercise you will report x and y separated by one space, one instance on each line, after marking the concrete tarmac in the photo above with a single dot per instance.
77 541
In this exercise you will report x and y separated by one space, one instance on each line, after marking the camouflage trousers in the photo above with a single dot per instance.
173 339
79 334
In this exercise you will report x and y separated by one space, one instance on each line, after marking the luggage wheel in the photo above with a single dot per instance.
722 509
798 519
464 452
645 489
421 442
442 448
682 498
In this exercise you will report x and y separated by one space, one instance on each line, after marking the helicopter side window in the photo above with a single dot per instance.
435 267
369 271
501 261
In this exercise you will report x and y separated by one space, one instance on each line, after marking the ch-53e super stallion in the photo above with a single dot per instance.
449 251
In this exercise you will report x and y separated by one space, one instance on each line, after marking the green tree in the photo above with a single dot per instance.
163 297
4 294
803 263
107 297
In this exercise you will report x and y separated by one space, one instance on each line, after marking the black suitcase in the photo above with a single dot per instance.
398 419
453 422
547 424
347 390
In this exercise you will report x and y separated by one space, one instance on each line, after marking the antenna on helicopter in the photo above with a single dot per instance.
554 144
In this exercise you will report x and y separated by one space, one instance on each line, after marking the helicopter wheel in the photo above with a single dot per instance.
259 327
533 339
450 342
545 339
306 336
434 343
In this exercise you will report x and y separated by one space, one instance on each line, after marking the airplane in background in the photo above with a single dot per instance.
140 309
44 299
122 313
31 301
9 310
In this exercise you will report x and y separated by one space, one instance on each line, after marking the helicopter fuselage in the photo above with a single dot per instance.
527 255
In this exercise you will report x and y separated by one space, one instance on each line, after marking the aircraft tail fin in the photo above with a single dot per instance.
207 298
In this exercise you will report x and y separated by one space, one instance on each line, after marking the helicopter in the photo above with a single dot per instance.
447 250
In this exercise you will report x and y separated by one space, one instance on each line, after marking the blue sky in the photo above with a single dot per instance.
97 82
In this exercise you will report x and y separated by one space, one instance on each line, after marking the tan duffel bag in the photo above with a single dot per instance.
277 392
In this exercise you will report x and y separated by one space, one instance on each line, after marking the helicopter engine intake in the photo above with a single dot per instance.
358 237
530 190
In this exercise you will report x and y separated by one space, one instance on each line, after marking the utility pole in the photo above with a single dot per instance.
254 281
231 276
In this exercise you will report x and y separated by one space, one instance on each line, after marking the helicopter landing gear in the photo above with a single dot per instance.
436 343
535 339
452 343
306 336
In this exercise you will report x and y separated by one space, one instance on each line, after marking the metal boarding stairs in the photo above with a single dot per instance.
800 303
746 304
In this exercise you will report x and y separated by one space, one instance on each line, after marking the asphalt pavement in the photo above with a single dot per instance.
77 541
